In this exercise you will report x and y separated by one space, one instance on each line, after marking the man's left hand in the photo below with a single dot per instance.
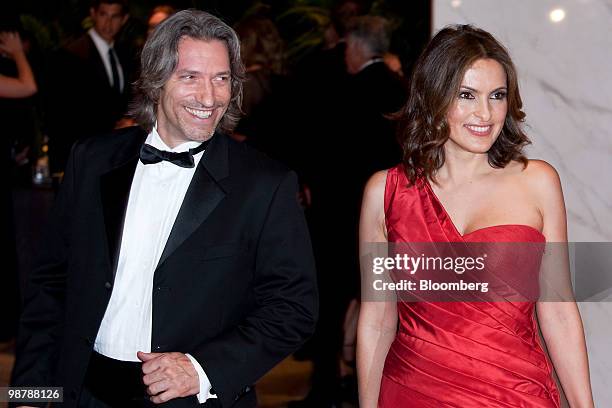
168 376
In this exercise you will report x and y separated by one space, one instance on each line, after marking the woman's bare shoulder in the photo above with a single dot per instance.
541 174
372 209
543 182
377 181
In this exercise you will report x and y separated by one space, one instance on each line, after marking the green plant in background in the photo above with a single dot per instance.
40 32
301 23
315 19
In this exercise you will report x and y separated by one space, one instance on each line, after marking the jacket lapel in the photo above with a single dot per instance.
205 192
115 190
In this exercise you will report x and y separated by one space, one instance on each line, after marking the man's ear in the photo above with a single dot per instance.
125 19
92 12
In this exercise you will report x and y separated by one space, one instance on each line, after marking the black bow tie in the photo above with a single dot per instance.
151 155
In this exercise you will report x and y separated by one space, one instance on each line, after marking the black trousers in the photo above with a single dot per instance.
88 400
112 383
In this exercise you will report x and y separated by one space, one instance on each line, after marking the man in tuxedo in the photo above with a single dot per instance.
177 267
89 82
376 92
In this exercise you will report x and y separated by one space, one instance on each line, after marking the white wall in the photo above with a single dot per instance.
565 76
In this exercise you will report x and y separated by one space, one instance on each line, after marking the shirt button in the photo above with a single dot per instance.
108 285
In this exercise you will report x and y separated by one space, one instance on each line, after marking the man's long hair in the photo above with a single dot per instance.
159 59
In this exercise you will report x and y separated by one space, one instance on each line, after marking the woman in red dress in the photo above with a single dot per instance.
464 179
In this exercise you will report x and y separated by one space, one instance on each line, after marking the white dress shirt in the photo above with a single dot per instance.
103 47
156 195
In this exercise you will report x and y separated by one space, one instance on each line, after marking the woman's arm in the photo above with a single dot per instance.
377 319
24 85
560 321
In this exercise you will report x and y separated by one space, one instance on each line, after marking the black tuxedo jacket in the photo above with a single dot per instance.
235 286
79 98
376 91
88 81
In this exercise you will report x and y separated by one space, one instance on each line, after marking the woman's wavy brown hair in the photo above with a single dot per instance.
435 83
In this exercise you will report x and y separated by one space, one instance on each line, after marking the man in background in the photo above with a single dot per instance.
89 82
351 137
375 92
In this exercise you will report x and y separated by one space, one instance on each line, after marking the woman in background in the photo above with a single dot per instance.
465 179
21 86
262 52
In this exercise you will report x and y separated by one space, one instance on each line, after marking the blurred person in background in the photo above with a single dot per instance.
393 63
262 51
88 82
157 15
22 85
375 91
324 123
372 92
266 121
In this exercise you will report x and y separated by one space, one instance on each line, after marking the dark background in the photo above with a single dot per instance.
52 23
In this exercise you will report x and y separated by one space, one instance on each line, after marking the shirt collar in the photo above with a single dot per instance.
155 140
100 42
370 62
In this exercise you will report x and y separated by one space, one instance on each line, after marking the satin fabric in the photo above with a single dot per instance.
460 354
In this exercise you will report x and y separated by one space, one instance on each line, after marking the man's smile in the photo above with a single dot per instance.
199 113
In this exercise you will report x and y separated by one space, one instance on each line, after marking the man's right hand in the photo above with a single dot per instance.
168 376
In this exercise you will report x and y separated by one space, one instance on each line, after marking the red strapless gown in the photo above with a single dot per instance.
476 354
